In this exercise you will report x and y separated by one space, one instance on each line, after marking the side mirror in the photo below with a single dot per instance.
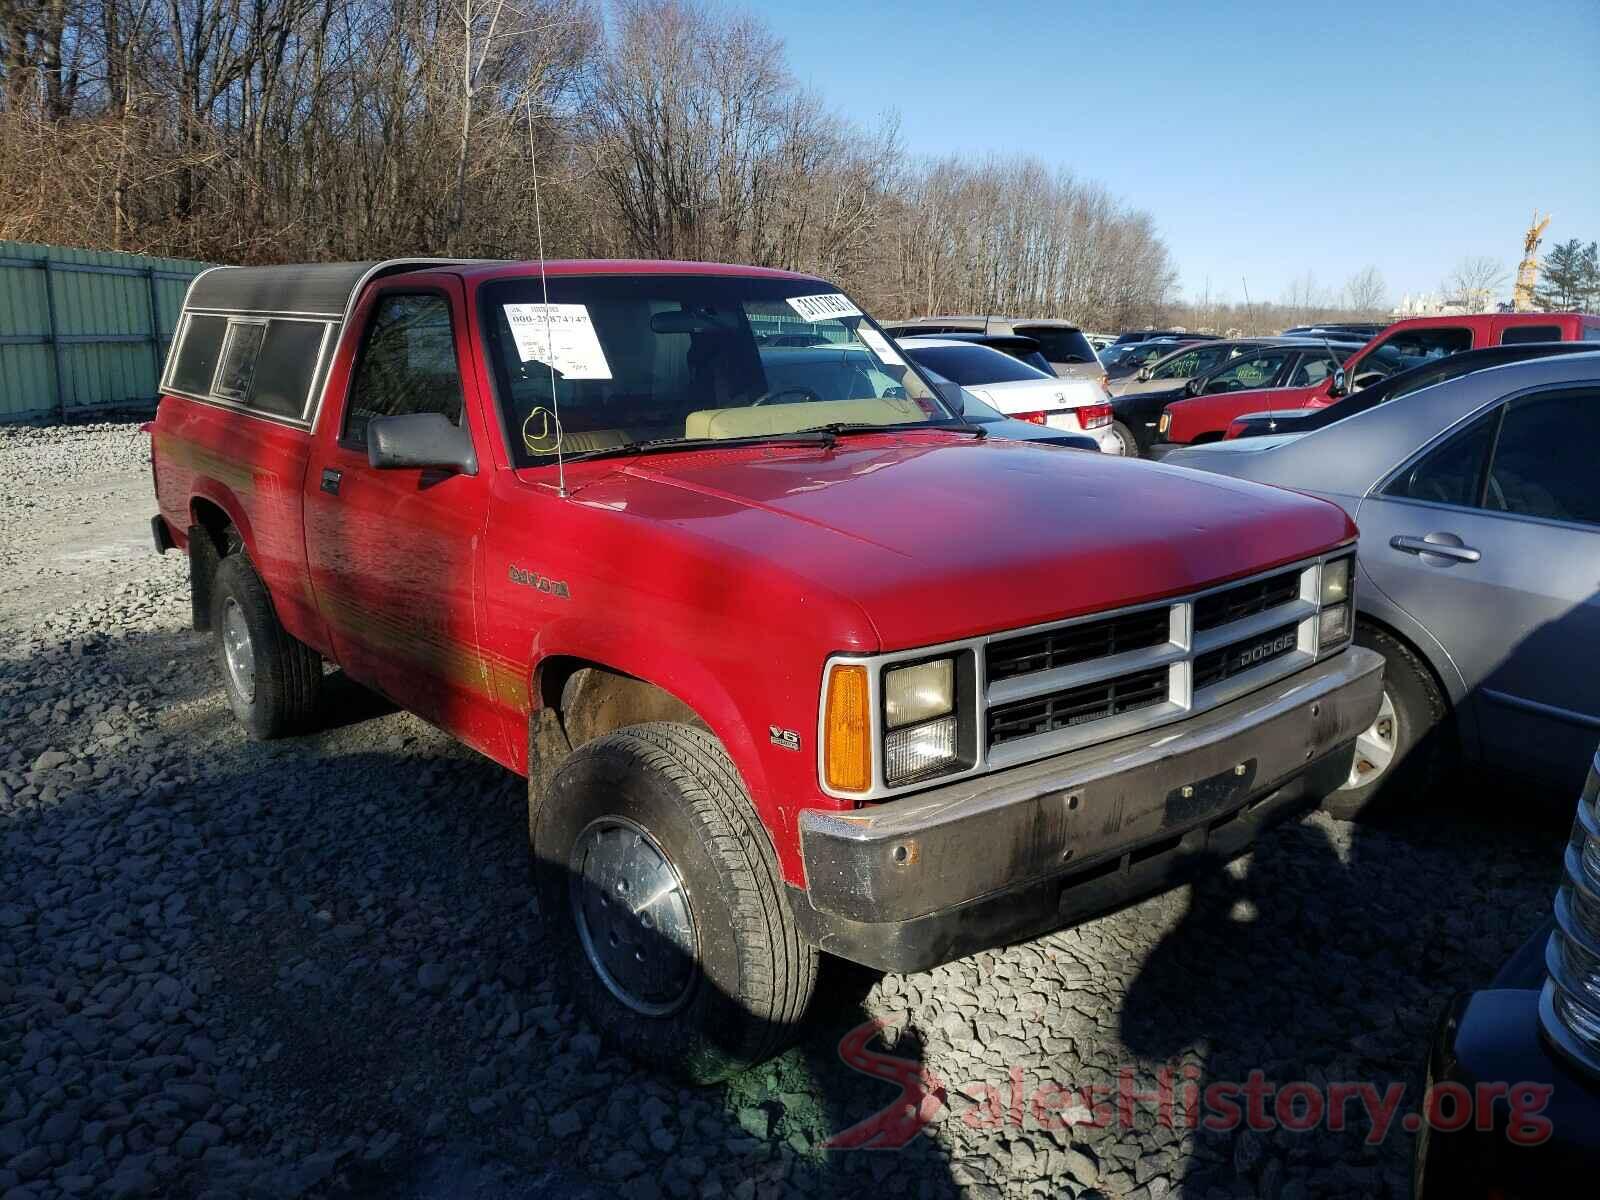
1340 385
1191 387
1144 374
420 440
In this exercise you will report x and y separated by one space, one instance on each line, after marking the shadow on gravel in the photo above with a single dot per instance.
381 962
315 967
1323 920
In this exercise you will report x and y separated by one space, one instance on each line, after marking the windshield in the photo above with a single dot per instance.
1146 353
628 359
1407 349
973 366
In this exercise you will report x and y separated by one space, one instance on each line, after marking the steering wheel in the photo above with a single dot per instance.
794 395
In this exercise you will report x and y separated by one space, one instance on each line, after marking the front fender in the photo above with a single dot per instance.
695 683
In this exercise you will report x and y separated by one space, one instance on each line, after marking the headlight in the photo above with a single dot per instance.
1333 624
904 723
1336 621
1336 581
919 750
919 693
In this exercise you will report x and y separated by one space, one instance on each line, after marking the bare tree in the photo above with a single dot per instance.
1475 281
292 130
1365 292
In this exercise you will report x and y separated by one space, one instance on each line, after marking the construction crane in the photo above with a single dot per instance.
1528 269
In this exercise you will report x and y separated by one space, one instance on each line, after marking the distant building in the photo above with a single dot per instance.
1427 304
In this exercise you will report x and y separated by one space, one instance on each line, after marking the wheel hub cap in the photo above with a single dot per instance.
1375 748
238 650
633 916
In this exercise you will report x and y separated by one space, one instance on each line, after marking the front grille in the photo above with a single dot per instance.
1214 667
1073 644
1078 705
1246 600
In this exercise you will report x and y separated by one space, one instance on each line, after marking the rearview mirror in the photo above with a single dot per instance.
420 440
1339 386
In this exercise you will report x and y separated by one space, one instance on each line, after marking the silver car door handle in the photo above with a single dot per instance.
1416 545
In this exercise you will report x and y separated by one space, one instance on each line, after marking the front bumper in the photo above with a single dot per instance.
910 883
1489 1042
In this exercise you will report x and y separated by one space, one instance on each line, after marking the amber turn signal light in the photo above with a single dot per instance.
847 731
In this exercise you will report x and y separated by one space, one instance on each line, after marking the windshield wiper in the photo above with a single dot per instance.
841 428
820 435
804 437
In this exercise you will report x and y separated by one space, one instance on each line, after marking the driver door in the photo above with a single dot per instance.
394 553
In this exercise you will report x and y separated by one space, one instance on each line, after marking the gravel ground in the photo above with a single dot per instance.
312 967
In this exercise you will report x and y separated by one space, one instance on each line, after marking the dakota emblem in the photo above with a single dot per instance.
550 587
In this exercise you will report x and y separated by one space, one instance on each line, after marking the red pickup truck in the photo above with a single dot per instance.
794 659
1204 417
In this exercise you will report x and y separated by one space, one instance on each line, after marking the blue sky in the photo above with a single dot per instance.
1267 139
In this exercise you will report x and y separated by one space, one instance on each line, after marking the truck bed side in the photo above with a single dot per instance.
216 468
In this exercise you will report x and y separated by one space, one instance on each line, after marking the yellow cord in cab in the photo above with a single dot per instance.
548 439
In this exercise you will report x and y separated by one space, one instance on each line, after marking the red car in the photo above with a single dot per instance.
793 658
1205 415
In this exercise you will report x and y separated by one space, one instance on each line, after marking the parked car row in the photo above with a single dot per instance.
1061 343
1211 403
1253 366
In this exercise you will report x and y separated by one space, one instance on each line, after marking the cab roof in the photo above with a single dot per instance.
329 290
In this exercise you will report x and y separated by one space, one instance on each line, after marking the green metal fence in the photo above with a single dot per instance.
84 330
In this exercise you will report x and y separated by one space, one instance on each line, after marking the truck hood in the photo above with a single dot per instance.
938 537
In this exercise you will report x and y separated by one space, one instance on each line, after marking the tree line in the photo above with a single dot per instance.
1569 278
256 131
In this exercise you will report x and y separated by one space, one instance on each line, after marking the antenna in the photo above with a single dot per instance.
544 289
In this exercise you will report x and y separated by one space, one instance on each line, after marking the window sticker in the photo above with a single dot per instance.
572 347
830 306
880 346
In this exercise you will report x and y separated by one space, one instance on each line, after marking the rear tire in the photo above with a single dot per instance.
1402 754
272 679
704 973
1130 444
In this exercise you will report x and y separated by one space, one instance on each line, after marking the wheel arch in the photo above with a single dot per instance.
1448 682
581 692
217 528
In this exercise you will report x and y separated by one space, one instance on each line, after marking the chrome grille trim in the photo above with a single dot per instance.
1177 653
1569 1006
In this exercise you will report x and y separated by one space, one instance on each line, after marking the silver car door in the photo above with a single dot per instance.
1462 538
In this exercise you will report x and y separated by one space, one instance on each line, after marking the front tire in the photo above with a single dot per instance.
663 906
271 678
1402 751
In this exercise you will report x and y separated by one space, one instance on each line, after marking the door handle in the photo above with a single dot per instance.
330 481
1435 544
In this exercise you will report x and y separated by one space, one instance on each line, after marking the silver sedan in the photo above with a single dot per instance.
1479 578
